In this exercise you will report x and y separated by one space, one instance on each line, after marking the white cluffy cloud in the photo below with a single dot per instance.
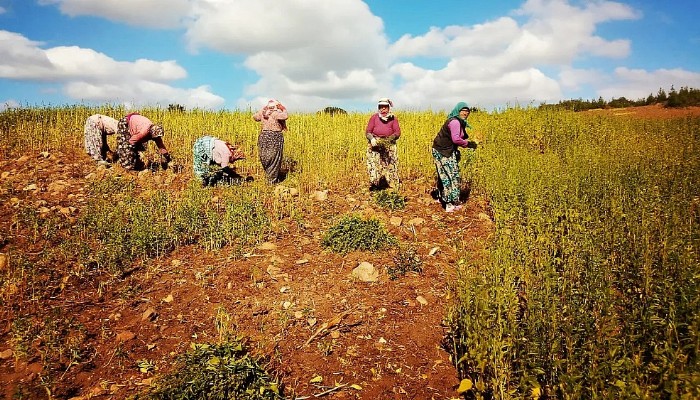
93 76
502 59
149 13
309 52
314 53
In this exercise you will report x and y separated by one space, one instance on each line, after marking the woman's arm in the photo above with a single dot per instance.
161 146
456 133
279 114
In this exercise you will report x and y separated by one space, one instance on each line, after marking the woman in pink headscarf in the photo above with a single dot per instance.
273 122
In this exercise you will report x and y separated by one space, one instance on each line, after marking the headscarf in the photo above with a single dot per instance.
455 112
156 131
236 153
273 105
384 101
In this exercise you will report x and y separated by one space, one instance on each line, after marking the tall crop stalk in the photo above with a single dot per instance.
596 217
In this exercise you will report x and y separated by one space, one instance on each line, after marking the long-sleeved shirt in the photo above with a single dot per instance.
379 128
140 131
456 133
273 120
221 153
451 135
106 124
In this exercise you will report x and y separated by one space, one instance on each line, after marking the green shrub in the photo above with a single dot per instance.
216 371
390 200
354 233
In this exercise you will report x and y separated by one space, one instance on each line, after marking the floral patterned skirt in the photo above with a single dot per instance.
270 147
383 162
448 178
95 140
128 154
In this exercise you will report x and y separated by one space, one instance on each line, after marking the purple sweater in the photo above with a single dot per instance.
377 128
456 134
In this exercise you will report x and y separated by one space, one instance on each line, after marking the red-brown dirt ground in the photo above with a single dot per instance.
389 336
388 341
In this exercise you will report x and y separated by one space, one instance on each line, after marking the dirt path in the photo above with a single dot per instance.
387 339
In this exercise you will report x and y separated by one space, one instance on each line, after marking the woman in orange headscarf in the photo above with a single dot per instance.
213 160
133 134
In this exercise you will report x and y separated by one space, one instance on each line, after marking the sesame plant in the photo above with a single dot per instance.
405 260
390 200
588 287
216 371
355 233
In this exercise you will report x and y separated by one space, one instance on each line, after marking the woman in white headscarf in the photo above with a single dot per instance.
382 161
273 122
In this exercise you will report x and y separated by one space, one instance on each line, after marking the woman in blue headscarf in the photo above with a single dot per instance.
452 136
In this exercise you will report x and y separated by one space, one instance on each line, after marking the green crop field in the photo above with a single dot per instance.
590 287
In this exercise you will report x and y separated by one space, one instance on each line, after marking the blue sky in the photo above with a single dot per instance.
309 54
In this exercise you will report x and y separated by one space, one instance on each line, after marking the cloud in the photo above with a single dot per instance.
145 92
486 39
575 79
315 53
91 75
442 89
501 61
638 83
20 57
568 31
309 50
157 14
3 10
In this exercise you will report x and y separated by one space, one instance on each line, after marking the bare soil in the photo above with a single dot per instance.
387 337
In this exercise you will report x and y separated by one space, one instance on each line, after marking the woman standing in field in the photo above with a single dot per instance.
382 161
213 159
133 135
273 122
451 136
97 127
